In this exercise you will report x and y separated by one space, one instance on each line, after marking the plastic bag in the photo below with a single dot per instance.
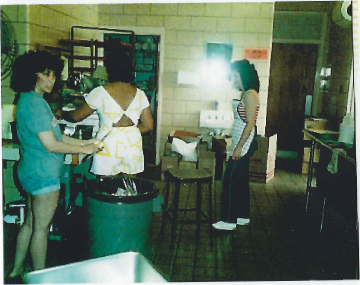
187 150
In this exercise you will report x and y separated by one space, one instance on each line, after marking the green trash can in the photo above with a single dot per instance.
115 223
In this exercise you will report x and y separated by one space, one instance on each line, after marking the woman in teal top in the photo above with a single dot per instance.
41 154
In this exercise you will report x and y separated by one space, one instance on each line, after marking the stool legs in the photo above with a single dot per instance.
166 202
175 212
175 208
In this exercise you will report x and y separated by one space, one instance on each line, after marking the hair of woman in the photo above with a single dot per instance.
248 74
27 65
118 67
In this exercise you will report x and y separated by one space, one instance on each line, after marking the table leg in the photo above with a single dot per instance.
310 174
322 215
210 213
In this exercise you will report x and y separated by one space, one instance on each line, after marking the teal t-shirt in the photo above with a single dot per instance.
33 116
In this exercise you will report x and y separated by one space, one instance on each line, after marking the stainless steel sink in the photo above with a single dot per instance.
126 267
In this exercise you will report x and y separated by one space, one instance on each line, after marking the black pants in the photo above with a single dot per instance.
235 190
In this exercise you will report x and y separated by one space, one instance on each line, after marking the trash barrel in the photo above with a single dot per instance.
118 215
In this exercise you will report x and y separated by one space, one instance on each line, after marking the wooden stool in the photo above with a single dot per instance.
178 176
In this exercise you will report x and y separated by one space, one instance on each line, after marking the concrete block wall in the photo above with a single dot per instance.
45 25
188 27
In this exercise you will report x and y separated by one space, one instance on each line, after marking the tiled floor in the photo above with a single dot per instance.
281 242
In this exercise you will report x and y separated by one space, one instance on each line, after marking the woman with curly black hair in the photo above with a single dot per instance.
235 191
124 113
41 152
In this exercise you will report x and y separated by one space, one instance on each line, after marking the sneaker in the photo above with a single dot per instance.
224 226
242 221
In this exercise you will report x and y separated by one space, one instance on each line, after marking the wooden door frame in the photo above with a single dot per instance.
156 31
323 46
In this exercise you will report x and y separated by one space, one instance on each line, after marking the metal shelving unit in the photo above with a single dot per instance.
92 57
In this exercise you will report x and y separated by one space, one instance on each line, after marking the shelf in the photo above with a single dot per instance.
144 71
86 43
81 69
83 57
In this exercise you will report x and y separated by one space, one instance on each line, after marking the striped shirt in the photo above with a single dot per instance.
242 111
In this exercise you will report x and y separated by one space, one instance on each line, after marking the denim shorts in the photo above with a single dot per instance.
39 186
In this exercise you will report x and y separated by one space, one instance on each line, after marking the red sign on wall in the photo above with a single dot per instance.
256 53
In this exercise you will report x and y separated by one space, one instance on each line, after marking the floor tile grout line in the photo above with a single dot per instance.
254 252
250 233
181 229
266 232
216 198
278 193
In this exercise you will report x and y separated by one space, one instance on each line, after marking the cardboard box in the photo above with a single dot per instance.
168 151
168 162
207 161
314 124
185 136
220 146
262 163
187 165
202 147
306 157
170 159
305 168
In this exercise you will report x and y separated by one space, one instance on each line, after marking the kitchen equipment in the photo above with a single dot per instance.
69 130
7 116
127 267
74 81
90 155
92 120
116 223
88 83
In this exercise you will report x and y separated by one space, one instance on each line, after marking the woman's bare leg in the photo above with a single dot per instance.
43 209
22 242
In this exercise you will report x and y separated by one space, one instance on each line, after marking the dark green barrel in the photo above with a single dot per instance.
117 223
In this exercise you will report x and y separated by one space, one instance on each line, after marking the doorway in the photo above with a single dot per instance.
292 77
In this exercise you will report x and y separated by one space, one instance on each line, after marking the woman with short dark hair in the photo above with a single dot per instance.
41 152
124 113
235 191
